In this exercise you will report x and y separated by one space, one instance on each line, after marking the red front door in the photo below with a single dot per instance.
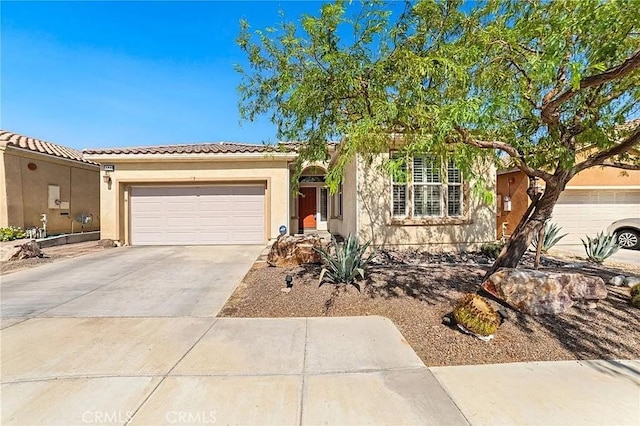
307 208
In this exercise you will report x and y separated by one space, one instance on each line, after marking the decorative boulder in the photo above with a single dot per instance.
294 250
631 281
617 281
539 293
26 251
107 243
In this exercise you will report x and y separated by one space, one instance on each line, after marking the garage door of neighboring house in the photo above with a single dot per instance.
191 215
587 212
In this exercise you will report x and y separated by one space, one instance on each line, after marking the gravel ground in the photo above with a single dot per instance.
51 255
416 298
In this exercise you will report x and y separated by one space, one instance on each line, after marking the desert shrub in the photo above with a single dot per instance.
492 250
635 290
550 238
601 247
346 264
12 233
476 315
635 301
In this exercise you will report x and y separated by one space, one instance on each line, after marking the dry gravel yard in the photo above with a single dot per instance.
51 255
417 297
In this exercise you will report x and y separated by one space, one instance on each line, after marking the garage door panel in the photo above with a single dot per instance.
197 215
185 207
181 222
221 206
244 237
587 212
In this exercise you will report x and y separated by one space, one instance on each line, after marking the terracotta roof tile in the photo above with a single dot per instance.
36 145
201 148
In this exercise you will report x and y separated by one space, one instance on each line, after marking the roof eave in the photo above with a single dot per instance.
135 158
39 154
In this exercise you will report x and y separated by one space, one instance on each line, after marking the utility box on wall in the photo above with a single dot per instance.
54 201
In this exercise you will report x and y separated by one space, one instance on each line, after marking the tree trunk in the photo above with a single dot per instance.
521 238
536 263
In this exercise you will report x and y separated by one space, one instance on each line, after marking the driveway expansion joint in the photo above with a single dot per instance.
130 419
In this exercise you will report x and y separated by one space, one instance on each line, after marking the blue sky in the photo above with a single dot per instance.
100 74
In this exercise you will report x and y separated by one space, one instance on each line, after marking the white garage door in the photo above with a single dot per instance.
197 215
587 212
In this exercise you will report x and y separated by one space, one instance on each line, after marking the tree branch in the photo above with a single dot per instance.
630 64
508 149
600 158
623 166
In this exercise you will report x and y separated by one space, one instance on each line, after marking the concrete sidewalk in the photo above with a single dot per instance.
151 371
546 393
287 371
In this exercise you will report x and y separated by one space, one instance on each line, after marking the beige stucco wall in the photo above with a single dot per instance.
114 198
605 176
375 216
24 192
347 224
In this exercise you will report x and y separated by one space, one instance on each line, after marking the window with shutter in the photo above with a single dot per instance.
399 187
437 191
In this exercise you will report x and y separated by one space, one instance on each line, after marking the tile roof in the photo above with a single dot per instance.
201 148
36 145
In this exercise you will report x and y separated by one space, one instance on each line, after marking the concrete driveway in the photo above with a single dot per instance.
129 282
621 256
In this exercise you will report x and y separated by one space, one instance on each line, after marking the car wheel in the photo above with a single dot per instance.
629 239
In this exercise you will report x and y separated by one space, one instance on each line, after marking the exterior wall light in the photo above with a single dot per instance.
506 203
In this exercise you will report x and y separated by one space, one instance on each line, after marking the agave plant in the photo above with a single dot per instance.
346 264
601 247
550 238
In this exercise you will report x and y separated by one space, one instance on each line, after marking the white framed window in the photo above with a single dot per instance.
436 191
399 190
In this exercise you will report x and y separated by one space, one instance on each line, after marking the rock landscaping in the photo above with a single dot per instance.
10 264
419 291
541 292
293 250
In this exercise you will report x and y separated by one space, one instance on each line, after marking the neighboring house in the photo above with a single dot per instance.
592 200
227 193
39 178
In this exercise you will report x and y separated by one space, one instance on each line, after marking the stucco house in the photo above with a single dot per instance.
39 177
229 193
592 200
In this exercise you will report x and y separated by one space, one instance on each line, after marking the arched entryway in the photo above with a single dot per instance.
312 200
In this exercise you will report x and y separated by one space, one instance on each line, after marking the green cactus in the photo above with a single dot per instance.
601 247
476 315
550 238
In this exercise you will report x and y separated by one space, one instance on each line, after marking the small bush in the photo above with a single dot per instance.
635 301
601 247
635 290
12 233
492 250
346 264
550 237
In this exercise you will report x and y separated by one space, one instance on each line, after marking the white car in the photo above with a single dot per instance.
627 231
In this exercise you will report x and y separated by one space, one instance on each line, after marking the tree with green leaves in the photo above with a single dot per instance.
554 86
